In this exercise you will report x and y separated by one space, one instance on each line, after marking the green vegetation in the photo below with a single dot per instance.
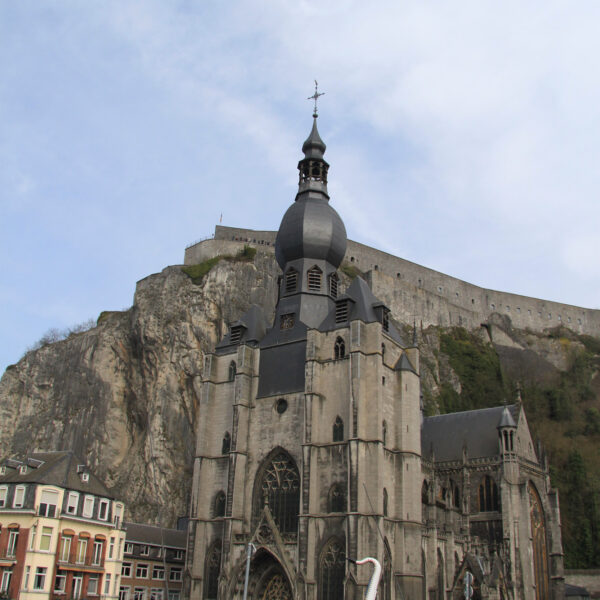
564 415
197 272
351 270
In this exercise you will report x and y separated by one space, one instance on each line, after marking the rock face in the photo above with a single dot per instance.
125 393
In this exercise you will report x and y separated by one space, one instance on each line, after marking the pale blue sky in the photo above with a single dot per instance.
462 136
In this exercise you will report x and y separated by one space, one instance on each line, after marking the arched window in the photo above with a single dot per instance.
540 544
425 492
219 505
337 498
314 277
213 569
291 281
338 430
333 285
332 569
226 446
280 487
232 370
385 503
384 432
339 349
488 495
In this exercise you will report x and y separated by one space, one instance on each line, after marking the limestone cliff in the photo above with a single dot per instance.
125 393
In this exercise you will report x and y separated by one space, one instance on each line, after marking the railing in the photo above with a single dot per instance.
208 237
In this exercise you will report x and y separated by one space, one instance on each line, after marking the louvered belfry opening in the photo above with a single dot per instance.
314 277
280 488
341 311
291 281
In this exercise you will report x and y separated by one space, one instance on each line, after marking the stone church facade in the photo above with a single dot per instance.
312 445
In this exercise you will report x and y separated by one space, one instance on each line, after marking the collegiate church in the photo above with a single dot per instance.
312 445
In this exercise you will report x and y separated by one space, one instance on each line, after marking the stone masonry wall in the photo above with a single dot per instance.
416 292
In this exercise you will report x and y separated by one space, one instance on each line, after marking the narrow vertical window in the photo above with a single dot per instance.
337 499
219 505
338 430
385 503
232 370
333 285
488 495
213 569
226 445
339 349
291 281
332 570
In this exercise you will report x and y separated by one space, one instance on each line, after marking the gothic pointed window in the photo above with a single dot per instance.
232 370
219 505
213 569
280 488
314 277
385 586
332 570
385 503
338 430
425 492
488 495
339 349
333 285
337 499
226 446
291 281
540 544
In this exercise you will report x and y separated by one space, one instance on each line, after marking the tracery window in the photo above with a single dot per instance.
333 285
338 430
332 569
339 349
213 569
540 544
280 487
337 499
226 446
232 370
314 277
219 505
488 495
291 281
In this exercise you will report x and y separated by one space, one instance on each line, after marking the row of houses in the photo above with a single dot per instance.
63 537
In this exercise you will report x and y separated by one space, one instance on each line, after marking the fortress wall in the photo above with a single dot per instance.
414 292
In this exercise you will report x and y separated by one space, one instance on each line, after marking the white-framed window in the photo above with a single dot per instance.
19 496
111 547
118 515
107 578
144 550
156 594
65 548
174 595
103 510
3 495
77 586
139 593
27 574
178 555
97 554
46 539
2 470
175 574
72 502
92 588
60 581
128 548
126 569
141 571
158 572
5 582
40 578
32 534
81 551
13 538
124 592
48 503
88 506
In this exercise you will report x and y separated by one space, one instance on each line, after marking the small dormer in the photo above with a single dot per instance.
383 315
236 332
83 473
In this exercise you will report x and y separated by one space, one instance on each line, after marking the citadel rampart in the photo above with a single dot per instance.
417 293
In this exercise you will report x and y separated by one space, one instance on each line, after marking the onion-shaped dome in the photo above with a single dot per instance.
311 228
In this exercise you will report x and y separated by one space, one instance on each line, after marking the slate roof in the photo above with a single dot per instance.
157 536
253 325
444 436
61 468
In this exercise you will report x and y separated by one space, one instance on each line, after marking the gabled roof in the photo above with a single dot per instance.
62 469
444 436
155 536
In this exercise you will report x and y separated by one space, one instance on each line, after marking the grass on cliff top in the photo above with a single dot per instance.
351 271
197 272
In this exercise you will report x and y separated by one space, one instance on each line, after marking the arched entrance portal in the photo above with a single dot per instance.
267 580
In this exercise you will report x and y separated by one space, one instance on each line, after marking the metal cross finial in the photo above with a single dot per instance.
315 97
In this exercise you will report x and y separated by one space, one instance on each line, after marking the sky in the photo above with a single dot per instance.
462 136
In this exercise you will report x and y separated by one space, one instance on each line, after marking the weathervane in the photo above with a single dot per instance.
315 97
